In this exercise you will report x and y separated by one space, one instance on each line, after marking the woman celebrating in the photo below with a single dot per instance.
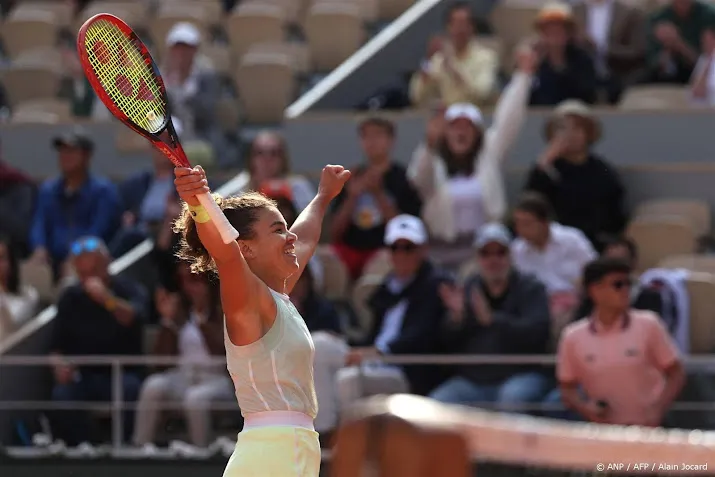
269 350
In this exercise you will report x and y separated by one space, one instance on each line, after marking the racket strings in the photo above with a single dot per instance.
125 76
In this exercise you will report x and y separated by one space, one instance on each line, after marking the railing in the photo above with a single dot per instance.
117 364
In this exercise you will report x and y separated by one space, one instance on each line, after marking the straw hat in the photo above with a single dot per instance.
579 109
555 12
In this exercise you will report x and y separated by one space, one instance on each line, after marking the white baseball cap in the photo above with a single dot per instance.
406 227
464 111
492 233
183 32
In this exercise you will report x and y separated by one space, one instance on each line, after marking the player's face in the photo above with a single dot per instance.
273 247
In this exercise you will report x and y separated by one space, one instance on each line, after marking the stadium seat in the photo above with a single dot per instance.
298 53
43 111
391 9
62 11
31 77
701 290
170 14
694 262
39 276
28 29
513 21
293 10
135 14
214 13
220 57
369 9
252 23
265 85
698 211
361 293
661 236
335 275
334 32
655 97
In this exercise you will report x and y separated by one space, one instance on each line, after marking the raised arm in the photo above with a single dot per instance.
309 223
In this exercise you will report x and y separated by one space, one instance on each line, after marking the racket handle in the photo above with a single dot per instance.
228 233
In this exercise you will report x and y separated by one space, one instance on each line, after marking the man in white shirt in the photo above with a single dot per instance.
556 254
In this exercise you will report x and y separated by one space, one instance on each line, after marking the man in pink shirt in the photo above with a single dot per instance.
622 359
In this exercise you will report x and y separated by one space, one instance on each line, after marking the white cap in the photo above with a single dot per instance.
405 227
183 32
464 111
492 233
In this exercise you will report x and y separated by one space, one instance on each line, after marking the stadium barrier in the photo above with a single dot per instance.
118 363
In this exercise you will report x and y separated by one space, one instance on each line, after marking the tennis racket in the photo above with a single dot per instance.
126 79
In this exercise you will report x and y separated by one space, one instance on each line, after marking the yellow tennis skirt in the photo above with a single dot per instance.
276 451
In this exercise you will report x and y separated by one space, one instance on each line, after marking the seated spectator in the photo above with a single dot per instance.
459 70
566 70
554 253
407 313
458 172
500 310
674 36
618 365
76 89
194 89
584 190
76 204
614 32
377 191
18 302
642 298
702 83
269 167
192 330
144 196
17 201
167 244
102 315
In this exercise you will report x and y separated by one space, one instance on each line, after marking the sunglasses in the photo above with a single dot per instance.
404 247
621 284
492 253
91 244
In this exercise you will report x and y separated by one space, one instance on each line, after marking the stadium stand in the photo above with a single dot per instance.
616 147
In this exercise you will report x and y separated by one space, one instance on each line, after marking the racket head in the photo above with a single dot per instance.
126 79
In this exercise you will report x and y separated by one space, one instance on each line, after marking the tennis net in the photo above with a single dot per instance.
508 445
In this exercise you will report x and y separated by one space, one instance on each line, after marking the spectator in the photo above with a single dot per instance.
623 360
377 192
18 303
102 315
76 89
702 83
319 314
614 32
192 330
458 173
145 196
642 298
407 313
566 70
17 200
76 204
554 253
167 244
194 90
458 70
500 310
269 167
584 190
674 36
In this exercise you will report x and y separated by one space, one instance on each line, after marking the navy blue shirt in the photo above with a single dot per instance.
61 218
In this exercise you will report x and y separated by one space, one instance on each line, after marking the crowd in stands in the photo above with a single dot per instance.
440 262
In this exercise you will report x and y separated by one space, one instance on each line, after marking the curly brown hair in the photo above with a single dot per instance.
241 211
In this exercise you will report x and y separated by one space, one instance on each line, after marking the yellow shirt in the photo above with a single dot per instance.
478 67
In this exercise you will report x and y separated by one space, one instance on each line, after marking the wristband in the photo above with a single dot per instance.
199 214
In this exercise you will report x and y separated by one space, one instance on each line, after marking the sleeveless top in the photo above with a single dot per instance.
275 373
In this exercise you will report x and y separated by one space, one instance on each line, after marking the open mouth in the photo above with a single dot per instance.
290 251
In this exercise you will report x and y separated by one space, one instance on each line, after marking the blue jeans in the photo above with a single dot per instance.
73 426
518 389
553 399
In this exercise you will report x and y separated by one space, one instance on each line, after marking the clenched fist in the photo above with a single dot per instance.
332 180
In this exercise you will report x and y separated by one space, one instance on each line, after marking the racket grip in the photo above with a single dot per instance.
228 233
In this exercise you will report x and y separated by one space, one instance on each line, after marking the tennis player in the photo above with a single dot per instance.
269 350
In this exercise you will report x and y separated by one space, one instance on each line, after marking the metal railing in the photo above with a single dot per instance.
117 364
